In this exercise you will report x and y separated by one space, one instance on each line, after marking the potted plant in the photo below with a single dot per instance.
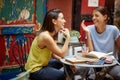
74 36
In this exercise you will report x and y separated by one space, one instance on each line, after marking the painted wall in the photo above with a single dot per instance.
85 9
18 18
65 6
16 11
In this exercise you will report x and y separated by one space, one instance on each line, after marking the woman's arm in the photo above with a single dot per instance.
56 56
50 43
89 41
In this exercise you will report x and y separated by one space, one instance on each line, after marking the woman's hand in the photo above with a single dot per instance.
88 41
66 32
84 26
84 52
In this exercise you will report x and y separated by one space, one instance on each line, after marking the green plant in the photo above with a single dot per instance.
74 33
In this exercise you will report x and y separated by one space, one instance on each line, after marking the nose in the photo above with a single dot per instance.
64 21
93 17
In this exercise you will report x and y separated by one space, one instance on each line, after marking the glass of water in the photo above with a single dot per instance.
85 49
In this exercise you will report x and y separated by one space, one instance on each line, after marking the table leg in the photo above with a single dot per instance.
71 75
66 71
84 74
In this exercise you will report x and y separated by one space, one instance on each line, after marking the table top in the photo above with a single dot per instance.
71 44
86 64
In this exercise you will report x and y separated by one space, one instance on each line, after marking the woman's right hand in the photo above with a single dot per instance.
84 26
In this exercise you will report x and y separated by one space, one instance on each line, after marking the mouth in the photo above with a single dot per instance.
95 22
62 28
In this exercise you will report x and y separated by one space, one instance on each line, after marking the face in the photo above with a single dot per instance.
98 18
60 22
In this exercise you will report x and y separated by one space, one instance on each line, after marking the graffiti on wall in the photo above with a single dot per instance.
18 18
16 11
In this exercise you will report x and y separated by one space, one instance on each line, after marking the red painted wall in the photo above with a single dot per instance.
87 10
65 6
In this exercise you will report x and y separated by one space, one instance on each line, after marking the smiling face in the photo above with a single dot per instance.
98 18
59 22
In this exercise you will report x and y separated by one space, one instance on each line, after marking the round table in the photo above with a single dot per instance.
88 65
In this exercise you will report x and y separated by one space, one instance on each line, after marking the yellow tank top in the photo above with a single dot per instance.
38 57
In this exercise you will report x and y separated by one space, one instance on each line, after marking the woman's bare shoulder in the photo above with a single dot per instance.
44 36
43 39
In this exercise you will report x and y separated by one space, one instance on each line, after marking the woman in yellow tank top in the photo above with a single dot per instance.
44 46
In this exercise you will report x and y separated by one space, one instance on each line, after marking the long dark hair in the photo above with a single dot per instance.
47 23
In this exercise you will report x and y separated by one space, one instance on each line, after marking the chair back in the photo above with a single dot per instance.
22 76
20 50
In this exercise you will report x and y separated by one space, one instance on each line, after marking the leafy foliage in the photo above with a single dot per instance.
74 33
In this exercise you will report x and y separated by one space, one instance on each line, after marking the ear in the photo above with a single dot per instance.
106 17
54 21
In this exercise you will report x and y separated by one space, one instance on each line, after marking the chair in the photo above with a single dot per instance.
22 76
20 50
